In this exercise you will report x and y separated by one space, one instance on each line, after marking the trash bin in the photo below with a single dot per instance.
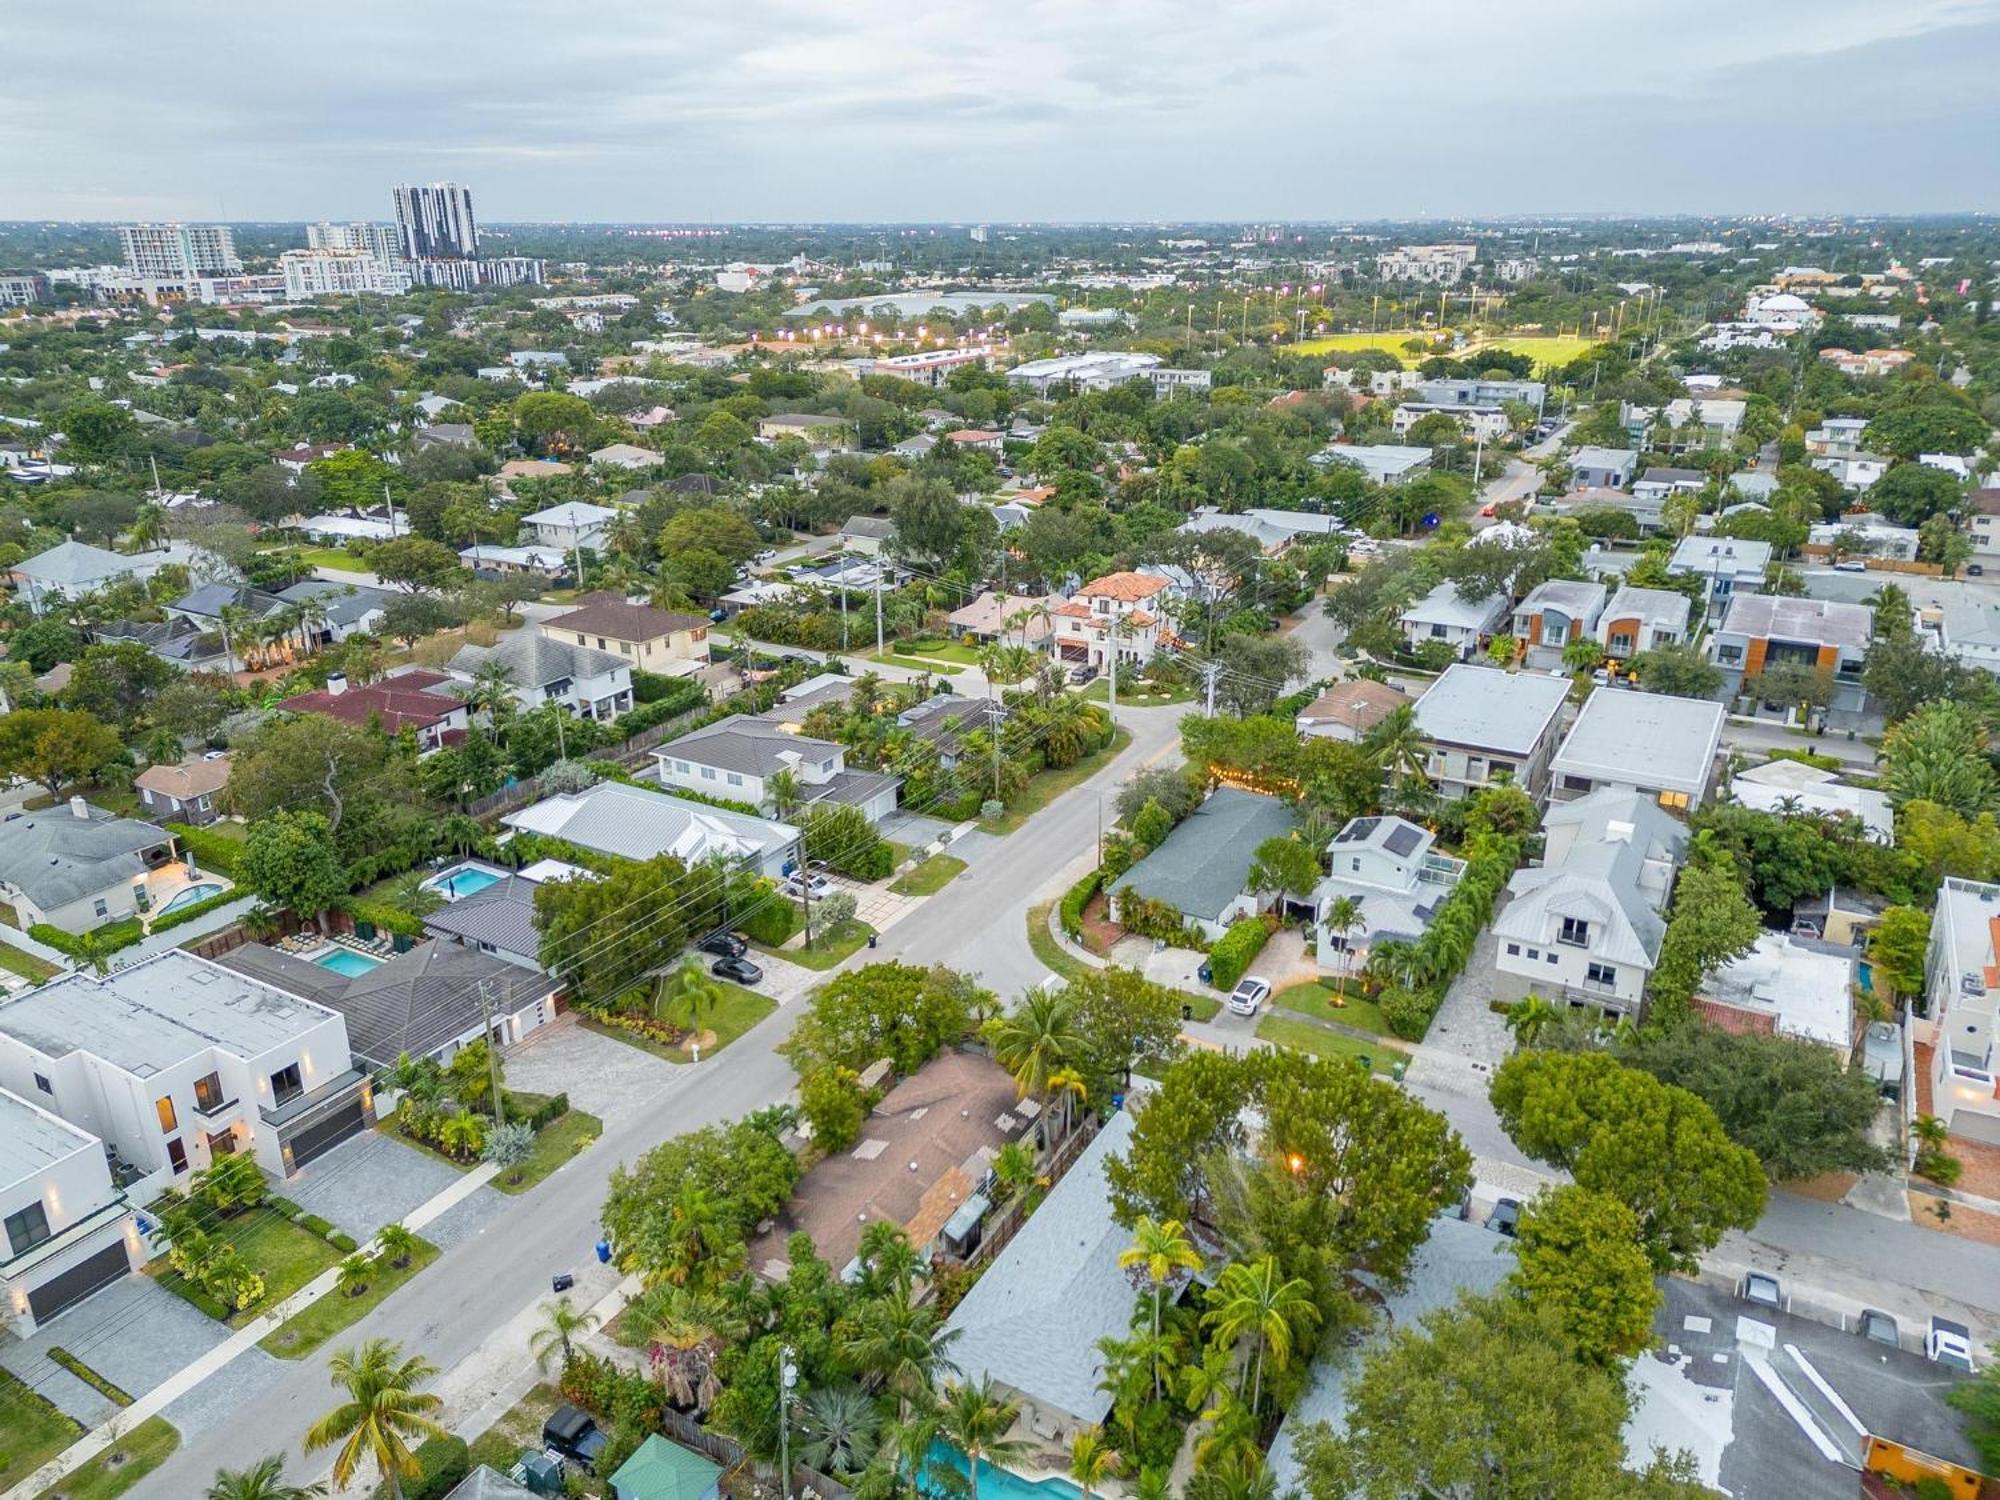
1398 1069
1367 1062
1187 1011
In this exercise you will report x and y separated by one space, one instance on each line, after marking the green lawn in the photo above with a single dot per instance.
942 666
1390 341
1139 694
17 961
1051 954
286 1255
828 948
300 1335
555 1143
35 1431
1045 787
1546 350
122 1465
327 557
735 1012
1316 998
930 877
519 1427
942 650
1286 1031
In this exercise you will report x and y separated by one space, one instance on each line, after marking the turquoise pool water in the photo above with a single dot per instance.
996 1483
462 883
346 961
193 894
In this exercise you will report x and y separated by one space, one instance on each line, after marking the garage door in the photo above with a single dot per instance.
317 1140
78 1282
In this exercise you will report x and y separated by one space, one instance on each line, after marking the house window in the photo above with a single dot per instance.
1729 656
100 908
625 648
1602 974
27 1229
1576 783
44 1085
208 1093
1437 632
164 1108
1496 769
600 643
1513 950
286 1084
1620 644
583 640
708 773
177 1156
734 779
1534 953
1551 955
1575 932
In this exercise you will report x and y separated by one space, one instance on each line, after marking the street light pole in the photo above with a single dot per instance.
788 1376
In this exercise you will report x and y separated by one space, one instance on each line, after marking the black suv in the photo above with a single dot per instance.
724 945
571 1435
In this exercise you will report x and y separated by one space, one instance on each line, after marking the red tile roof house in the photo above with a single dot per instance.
1083 626
407 700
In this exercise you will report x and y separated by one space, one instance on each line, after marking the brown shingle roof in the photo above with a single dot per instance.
1359 704
610 616
399 701
188 780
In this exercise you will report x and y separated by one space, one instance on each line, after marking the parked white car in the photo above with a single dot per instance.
1949 1344
809 884
1250 993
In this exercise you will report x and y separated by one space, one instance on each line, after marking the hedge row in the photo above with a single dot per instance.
1234 951
88 1376
211 850
188 913
442 1464
113 935
1075 899
772 921
386 918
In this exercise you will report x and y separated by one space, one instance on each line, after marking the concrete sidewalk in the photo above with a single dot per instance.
193 1374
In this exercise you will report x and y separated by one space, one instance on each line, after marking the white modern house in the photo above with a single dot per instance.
1483 727
1960 1013
173 1061
1640 619
1659 746
1124 608
68 1229
1390 869
1794 787
1603 468
1556 612
1586 924
543 669
631 822
1729 565
1445 615
737 757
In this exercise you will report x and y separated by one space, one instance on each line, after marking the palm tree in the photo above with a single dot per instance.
1240 1474
1162 1252
785 792
1092 1461
1035 1041
1343 915
839 1424
1253 1300
1398 747
1530 1017
310 618
691 986
398 1244
1931 1132
263 1480
1007 664
562 1324
975 1420
491 688
383 1411
1069 1089
696 1232
355 1273
902 1343
234 620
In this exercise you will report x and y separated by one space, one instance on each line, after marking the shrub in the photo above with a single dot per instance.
988 808
1939 1165
211 850
1075 899
1121 852
835 1104
317 1225
1408 1011
386 918
835 909
844 838
773 920
1230 958
1151 824
284 1206
1156 919
536 1111
170 920
342 1241
442 1462
107 939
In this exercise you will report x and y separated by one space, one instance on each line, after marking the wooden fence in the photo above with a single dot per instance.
729 1453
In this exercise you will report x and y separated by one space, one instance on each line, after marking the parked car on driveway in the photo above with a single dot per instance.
724 945
572 1435
807 883
1949 1344
737 970
1250 992
1506 1217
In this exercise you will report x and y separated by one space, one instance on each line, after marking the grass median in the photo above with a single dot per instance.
930 877
304 1332
121 1466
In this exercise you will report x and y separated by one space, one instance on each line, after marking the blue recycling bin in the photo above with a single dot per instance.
604 1252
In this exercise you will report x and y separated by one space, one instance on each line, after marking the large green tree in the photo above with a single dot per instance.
1938 754
888 1010
1579 1254
1712 922
1657 1149
57 747
288 859
603 937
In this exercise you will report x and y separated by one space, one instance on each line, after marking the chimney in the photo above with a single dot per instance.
336 683
78 808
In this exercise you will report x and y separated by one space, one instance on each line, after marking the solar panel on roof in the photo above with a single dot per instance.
1360 828
1402 839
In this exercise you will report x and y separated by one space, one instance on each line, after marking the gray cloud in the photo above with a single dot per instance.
1058 109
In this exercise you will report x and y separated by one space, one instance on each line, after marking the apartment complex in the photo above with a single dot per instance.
179 252
436 221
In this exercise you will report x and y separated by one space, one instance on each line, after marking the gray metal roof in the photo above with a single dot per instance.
533 660
1204 864
502 914
211 599
1599 877
635 823
158 1012
344 603
55 857
880 528
1664 607
1489 709
70 565
484 1483
1032 1321
1645 739
1444 605
32 1140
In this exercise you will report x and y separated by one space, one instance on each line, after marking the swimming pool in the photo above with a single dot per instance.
457 884
192 894
346 961
996 1483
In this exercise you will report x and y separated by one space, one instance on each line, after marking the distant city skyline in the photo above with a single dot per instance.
871 112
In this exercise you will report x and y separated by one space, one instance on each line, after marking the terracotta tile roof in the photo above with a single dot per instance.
1359 704
972 435
1073 610
1126 586
609 615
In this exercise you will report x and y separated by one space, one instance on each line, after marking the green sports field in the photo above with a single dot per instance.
1546 350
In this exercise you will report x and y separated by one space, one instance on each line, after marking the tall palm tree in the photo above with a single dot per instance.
1092 1461
1163 1253
1068 1088
1252 1300
263 1480
561 1327
902 1343
1398 747
975 1420
310 618
691 986
1036 1040
839 1425
1530 1018
491 688
383 1411
1343 915
785 792
235 621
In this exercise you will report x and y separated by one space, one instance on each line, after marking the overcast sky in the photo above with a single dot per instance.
967 109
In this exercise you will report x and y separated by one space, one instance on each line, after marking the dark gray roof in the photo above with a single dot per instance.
345 603
502 914
855 787
55 857
175 640
211 598
416 1002
880 528
533 660
1204 864
743 743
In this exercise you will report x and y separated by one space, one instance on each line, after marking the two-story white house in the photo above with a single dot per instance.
1127 607
543 669
573 524
1389 868
1960 1012
66 1229
1660 746
1981 510
1728 565
1482 727
1586 924
1639 620
737 758
173 1061
1445 615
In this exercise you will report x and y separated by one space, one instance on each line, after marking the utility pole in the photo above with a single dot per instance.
788 1376
391 504
993 711
805 886
492 1054
1210 670
878 606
